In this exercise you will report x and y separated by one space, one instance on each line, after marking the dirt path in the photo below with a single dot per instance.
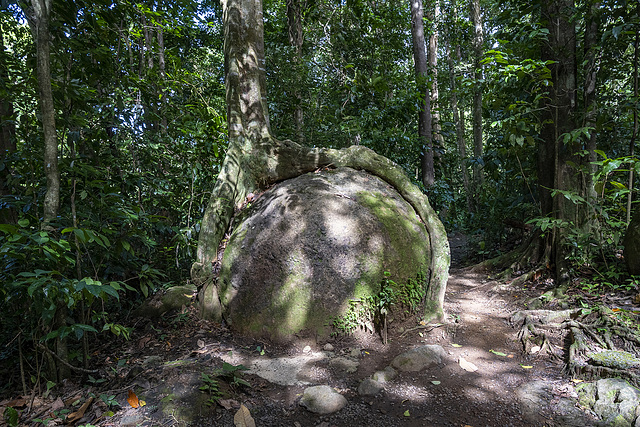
477 331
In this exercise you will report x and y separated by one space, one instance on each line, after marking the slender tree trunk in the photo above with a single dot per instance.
163 79
38 16
255 159
7 139
478 41
438 139
462 145
425 132
294 24
634 136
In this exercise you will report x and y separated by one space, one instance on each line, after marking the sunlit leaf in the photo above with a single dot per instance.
243 418
498 353
133 400
467 366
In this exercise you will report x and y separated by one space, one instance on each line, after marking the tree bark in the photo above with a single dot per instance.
294 24
7 140
461 143
438 139
425 131
634 136
558 153
478 144
38 16
255 159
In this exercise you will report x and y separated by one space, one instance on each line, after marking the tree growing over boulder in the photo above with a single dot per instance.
256 160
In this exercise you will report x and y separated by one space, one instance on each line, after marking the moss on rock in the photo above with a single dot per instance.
615 359
310 244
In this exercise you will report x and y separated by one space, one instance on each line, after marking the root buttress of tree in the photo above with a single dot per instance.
271 161
584 333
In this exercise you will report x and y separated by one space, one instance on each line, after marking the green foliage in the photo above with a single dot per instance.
230 374
368 313
11 417
139 150
211 387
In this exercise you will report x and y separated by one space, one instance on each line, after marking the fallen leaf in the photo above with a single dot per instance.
200 343
228 403
498 353
576 381
510 356
456 345
526 367
406 413
15 403
75 416
142 343
535 349
435 382
133 400
243 418
467 366
58 404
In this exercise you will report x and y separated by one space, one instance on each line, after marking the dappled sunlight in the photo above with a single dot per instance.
310 245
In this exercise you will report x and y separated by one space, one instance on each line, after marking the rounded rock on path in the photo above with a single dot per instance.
419 358
369 387
385 376
323 400
344 364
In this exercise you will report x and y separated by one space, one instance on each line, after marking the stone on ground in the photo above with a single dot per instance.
344 364
322 400
385 376
419 358
613 400
538 402
369 387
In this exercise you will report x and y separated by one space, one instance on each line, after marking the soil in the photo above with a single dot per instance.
172 353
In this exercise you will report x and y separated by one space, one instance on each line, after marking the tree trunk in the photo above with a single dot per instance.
425 132
558 151
163 78
7 141
478 41
591 50
634 136
38 16
294 24
438 139
462 145
255 159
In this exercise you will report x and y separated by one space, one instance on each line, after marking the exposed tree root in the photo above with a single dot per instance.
599 343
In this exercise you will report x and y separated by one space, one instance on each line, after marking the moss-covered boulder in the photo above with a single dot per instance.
310 244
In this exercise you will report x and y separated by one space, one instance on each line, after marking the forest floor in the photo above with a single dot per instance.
164 360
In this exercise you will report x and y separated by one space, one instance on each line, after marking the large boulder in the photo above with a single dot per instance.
632 244
309 245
